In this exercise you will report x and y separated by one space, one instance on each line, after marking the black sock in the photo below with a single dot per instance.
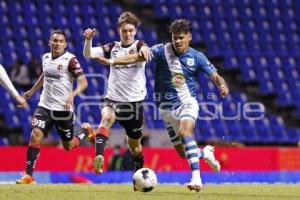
138 162
32 155
101 141
83 134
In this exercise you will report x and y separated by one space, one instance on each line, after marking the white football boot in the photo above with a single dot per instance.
209 156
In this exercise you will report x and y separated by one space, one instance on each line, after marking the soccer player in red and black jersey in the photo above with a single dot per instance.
60 69
126 89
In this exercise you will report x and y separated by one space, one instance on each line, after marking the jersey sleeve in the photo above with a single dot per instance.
107 49
157 51
75 67
140 44
205 65
91 52
96 52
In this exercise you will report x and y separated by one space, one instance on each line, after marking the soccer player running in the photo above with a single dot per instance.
60 69
126 90
7 84
177 66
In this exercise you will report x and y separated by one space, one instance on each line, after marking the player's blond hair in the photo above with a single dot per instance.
128 18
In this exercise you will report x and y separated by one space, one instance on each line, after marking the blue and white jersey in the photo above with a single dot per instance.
176 76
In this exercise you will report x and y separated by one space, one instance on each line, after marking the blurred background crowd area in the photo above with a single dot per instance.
253 43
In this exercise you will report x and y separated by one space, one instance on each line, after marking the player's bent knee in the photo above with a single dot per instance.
107 121
184 132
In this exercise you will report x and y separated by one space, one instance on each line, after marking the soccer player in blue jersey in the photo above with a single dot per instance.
177 67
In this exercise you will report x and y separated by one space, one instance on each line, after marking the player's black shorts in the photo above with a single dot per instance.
129 115
44 119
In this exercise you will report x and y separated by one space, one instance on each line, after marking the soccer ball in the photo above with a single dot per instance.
144 180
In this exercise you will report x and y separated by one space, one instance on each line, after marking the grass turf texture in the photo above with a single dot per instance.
161 192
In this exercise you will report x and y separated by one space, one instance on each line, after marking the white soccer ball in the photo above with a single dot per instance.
144 180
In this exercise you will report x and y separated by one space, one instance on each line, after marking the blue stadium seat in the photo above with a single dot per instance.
204 131
250 131
235 131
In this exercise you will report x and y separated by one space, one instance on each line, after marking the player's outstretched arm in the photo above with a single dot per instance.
221 83
39 83
88 50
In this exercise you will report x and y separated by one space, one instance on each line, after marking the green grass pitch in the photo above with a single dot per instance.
161 192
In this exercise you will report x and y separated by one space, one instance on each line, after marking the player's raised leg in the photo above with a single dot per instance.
99 146
88 132
208 155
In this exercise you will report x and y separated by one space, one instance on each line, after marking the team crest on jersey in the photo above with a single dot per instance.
178 80
34 121
59 67
190 62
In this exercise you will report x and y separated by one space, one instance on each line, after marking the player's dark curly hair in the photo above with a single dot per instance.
128 18
180 26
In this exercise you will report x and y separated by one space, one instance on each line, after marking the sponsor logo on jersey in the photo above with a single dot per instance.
174 62
178 79
53 76
120 67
